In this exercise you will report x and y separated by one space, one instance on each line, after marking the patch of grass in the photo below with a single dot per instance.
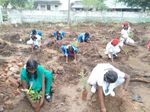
83 80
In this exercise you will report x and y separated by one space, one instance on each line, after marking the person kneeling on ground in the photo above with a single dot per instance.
59 35
69 51
34 76
125 35
113 48
83 37
104 79
35 39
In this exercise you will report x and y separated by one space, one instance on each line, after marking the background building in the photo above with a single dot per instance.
47 4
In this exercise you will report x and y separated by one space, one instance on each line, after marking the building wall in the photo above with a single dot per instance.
61 16
48 7
109 3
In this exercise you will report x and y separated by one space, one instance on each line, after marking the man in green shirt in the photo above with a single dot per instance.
33 75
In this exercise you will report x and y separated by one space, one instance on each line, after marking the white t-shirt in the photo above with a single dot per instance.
97 77
125 33
110 49
36 42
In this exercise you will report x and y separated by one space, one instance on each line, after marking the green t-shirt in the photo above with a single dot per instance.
37 83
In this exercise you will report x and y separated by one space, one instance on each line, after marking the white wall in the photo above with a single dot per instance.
1 19
61 16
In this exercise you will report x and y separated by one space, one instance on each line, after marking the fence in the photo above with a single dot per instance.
30 16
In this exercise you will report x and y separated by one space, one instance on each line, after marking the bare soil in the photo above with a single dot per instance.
69 84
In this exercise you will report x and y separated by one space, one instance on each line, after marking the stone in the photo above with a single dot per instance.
78 90
10 73
9 65
13 82
2 96
16 76
137 98
20 64
6 70
14 69
1 108
3 77
8 104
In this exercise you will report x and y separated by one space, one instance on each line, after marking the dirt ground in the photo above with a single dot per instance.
69 83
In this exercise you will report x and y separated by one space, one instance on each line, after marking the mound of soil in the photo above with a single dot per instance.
69 84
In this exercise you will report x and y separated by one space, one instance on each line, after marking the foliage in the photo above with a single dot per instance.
98 4
75 43
83 80
29 4
17 3
4 2
144 4
34 95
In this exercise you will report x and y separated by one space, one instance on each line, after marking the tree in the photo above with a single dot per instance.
144 4
98 4
15 3
4 3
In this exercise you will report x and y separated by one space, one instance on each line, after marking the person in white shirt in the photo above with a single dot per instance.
113 48
125 35
104 78
35 39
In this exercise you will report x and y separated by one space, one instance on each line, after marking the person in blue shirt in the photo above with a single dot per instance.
83 37
69 51
59 35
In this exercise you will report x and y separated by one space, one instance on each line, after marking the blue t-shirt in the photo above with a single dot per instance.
65 51
62 34
82 38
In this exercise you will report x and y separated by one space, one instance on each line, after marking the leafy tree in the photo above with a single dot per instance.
98 4
16 3
4 3
144 4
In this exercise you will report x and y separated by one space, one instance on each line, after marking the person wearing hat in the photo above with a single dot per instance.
59 35
104 78
126 25
83 37
34 76
125 34
35 39
69 51
113 48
